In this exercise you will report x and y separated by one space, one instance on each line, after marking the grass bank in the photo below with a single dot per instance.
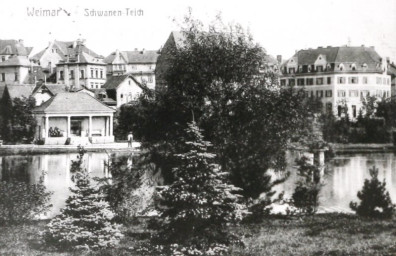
326 234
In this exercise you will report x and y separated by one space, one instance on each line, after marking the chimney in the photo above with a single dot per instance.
388 60
279 59
372 47
142 51
320 47
20 41
136 49
74 44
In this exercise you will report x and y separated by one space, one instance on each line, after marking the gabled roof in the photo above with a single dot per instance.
114 81
344 54
19 91
135 57
56 88
72 102
16 61
14 47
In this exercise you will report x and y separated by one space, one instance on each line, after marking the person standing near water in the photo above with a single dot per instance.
130 139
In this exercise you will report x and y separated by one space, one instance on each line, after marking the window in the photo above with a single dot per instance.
96 73
353 66
341 80
329 93
379 80
319 81
2 58
101 73
319 94
2 77
133 67
329 80
81 73
283 82
129 82
341 93
292 82
353 110
353 80
61 75
312 94
71 74
388 81
339 110
309 81
122 95
92 85
92 73
328 67
365 80
364 93
150 79
319 68
301 81
384 80
309 68
16 76
353 93
300 69
292 70
329 107
341 67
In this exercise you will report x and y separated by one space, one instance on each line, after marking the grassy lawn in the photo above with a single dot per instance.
328 234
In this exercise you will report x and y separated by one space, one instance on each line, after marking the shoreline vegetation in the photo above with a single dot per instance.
321 234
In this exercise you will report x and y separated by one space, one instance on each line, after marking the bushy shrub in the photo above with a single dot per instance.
306 193
375 200
86 221
21 202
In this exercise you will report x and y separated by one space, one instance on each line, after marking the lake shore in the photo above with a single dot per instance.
30 149
362 148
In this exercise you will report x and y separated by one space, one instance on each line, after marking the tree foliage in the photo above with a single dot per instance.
197 207
375 200
306 193
86 220
214 79
18 122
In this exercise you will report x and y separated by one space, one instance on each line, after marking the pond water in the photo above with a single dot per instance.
343 179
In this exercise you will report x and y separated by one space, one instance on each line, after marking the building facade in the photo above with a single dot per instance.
141 64
339 76
123 89
81 67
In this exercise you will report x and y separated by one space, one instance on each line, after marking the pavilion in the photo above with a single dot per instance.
74 118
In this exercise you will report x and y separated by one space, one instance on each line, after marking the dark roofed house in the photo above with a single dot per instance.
338 74
77 118
11 48
140 63
123 88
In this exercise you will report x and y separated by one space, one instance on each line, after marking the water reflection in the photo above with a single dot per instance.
344 178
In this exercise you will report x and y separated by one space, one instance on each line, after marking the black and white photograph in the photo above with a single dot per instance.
181 128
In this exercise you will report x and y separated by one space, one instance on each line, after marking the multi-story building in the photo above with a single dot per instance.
81 67
12 48
339 76
141 64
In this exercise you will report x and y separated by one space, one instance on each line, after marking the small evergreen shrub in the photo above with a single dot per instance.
86 221
197 207
306 193
375 199
20 202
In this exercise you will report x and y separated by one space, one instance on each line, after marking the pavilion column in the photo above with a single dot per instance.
107 133
68 127
46 124
90 127
111 126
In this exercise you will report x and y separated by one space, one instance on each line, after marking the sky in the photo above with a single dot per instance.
282 27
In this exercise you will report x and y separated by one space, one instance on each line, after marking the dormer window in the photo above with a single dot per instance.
328 67
319 68
292 70
353 66
309 68
364 66
341 67
300 69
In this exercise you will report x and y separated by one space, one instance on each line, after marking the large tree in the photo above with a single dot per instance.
214 78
